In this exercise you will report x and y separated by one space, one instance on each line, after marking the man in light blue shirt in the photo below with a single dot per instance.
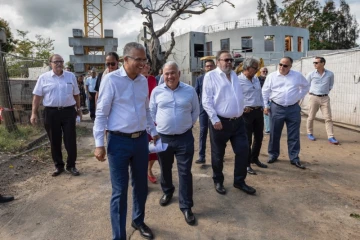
174 106
253 111
90 92
321 82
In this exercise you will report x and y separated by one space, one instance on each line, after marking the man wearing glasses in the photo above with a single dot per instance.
285 88
253 111
223 101
263 73
321 82
203 117
61 98
123 109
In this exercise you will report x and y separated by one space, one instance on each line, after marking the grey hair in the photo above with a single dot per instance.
249 62
130 46
171 63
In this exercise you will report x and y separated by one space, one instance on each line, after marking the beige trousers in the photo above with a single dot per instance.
323 103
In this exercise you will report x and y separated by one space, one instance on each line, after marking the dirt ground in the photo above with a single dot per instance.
290 203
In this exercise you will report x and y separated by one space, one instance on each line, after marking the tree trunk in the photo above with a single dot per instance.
5 100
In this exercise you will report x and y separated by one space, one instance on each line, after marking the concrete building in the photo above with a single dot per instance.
90 52
242 39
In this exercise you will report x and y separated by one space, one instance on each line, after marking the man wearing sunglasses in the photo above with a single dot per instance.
253 111
321 82
223 100
263 73
203 117
284 88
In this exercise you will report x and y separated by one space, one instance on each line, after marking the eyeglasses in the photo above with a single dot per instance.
207 66
264 71
227 60
316 62
108 64
139 60
57 62
283 65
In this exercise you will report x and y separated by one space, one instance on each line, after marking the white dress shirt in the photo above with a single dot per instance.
57 91
91 83
221 96
174 111
251 90
123 105
285 90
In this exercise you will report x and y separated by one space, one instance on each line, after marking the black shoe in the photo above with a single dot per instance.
200 161
260 164
272 160
144 230
219 187
245 188
4 199
298 164
57 172
189 216
165 199
73 171
251 171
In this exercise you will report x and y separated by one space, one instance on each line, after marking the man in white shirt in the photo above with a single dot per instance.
174 106
90 84
60 93
285 88
253 111
223 101
123 110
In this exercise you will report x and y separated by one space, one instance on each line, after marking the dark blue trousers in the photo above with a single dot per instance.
182 147
291 116
204 127
122 153
233 130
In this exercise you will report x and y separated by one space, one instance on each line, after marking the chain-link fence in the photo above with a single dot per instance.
345 97
18 77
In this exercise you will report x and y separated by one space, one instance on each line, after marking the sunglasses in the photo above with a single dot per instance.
227 60
283 65
264 71
110 64
316 62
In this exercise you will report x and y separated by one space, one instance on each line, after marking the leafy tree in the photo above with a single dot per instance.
272 12
43 47
24 46
261 14
10 41
170 11
299 13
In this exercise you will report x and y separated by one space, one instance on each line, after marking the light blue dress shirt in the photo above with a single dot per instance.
174 111
91 82
251 91
320 84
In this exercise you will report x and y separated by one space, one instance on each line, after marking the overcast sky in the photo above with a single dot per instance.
56 19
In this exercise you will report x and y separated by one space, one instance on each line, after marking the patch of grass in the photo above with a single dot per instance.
83 131
355 215
17 140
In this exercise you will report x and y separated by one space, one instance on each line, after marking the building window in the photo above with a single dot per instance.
300 44
269 43
199 50
209 49
225 44
246 44
288 43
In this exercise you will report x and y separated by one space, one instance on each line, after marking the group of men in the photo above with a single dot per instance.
231 107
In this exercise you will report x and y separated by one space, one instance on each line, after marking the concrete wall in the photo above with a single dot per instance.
258 43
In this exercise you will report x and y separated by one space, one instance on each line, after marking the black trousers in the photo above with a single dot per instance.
58 123
233 130
92 104
182 147
254 124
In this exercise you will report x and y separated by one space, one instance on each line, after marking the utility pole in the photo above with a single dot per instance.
5 100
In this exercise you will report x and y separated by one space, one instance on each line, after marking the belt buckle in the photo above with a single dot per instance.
234 118
135 135
60 108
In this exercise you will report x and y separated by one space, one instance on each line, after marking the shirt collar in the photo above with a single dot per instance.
243 77
124 74
53 74
181 84
220 72
322 73
279 74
